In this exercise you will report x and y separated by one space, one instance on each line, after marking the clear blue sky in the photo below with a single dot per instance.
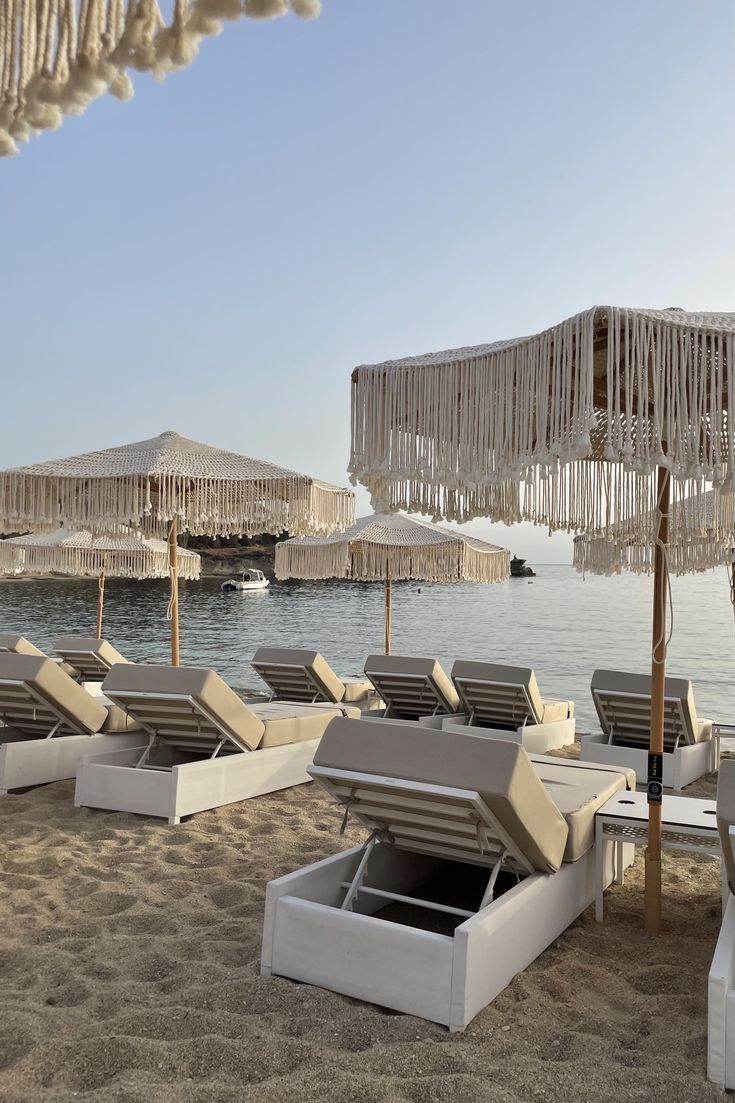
394 177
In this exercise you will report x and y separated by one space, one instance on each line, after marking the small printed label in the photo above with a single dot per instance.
655 778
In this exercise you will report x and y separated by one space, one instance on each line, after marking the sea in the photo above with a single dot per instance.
560 623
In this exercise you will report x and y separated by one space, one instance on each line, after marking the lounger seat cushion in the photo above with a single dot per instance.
88 655
162 685
19 645
386 672
506 695
292 723
117 719
726 816
623 702
50 694
499 771
357 690
579 793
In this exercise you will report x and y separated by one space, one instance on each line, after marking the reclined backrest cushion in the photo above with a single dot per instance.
282 670
632 716
11 641
165 707
500 771
392 677
503 697
88 654
48 694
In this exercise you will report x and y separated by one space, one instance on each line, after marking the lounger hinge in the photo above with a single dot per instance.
348 802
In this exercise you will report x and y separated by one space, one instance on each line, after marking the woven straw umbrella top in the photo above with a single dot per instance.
148 483
396 546
125 555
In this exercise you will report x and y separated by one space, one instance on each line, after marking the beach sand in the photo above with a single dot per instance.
129 971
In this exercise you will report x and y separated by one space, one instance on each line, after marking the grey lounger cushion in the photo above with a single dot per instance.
411 687
501 772
35 693
286 722
726 815
504 696
623 702
91 657
293 674
185 705
579 793
19 645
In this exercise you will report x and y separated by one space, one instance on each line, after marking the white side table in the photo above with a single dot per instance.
686 824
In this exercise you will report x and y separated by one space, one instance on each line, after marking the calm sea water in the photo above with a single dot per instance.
559 623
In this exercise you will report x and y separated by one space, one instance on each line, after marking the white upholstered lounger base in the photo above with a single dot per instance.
25 762
721 1004
447 979
681 767
535 738
112 781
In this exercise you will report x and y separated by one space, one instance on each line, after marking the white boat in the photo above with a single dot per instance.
251 580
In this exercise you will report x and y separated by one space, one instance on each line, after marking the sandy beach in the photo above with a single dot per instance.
129 971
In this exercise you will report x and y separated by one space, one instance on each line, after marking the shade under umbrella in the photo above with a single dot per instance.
593 418
169 484
84 554
384 547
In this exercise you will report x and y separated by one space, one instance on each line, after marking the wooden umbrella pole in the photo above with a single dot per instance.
173 562
387 611
652 899
100 602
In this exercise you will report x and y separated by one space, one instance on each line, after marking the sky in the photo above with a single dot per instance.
395 177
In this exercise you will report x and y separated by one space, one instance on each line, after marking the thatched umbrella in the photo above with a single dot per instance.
594 418
83 554
383 547
166 485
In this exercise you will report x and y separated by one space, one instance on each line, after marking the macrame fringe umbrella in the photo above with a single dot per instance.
594 418
385 547
167 485
57 56
84 555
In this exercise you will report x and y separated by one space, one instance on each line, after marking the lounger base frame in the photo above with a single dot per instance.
721 1005
25 762
681 767
309 937
112 780
535 738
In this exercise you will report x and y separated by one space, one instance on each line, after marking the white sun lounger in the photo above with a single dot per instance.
293 674
91 658
412 689
203 747
503 702
623 704
721 988
51 722
517 869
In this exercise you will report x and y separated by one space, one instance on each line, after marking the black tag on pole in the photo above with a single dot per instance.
655 778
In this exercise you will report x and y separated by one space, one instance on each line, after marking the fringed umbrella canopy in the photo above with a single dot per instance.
388 546
398 547
593 418
128 555
57 56
151 483
690 547
632 389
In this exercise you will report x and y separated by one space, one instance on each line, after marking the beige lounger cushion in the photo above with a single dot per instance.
19 645
56 694
357 691
167 691
504 695
90 656
726 815
501 772
631 718
117 719
286 722
395 678
579 793
293 674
